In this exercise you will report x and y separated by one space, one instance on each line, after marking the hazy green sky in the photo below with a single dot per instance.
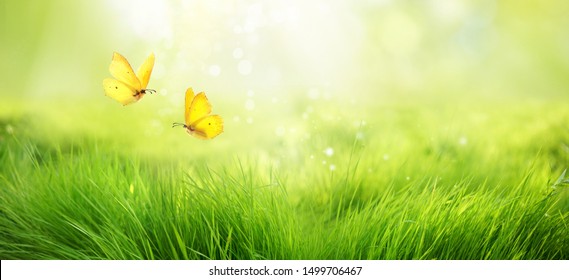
314 49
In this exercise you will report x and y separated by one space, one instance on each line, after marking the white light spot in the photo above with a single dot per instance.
252 39
407 178
332 167
9 129
250 104
324 162
463 140
214 70
237 53
449 10
236 119
250 93
385 157
360 123
249 120
359 135
280 131
305 116
165 112
245 67
311 156
163 92
274 100
154 128
313 93
329 151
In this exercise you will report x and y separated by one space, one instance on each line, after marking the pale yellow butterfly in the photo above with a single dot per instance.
128 87
198 121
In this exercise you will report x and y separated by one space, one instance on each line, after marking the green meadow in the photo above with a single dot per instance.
445 139
409 182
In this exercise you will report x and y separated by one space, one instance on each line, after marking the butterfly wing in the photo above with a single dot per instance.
198 121
188 104
120 91
199 108
207 127
122 71
145 70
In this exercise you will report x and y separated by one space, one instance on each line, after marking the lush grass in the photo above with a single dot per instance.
412 180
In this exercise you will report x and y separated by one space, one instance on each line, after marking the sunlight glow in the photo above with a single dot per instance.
329 151
149 19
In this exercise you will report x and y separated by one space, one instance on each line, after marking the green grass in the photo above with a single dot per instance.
406 180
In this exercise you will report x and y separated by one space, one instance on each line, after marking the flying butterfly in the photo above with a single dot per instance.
128 87
198 121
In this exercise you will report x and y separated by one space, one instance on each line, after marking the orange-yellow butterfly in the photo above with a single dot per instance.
128 87
199 122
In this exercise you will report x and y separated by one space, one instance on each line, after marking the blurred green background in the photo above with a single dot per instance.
393 47
267 66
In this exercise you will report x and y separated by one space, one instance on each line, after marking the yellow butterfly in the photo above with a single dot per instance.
199 122
128 87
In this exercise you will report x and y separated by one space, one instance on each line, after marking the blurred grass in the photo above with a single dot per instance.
415 179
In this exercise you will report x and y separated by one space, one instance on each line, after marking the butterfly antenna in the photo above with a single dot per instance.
149 91
178 124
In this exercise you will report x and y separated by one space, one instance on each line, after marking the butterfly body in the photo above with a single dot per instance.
128 87
198 121
191 130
